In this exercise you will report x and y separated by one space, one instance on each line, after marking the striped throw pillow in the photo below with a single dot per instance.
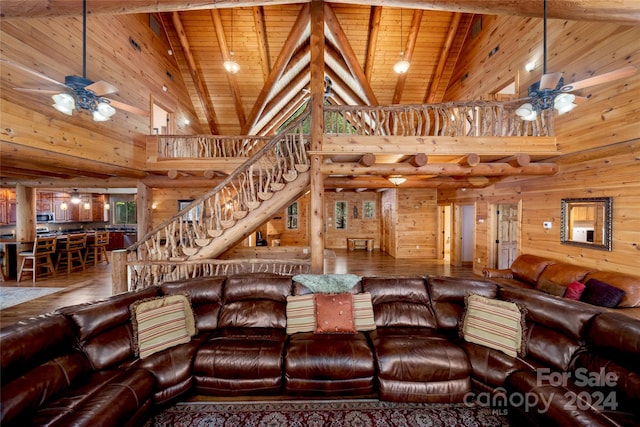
161 323
301 316
494 323
300 311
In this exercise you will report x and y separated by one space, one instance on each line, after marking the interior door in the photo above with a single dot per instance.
507 241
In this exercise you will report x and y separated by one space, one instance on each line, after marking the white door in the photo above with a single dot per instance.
467 218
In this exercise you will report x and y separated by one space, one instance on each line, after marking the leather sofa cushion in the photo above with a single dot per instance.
28 343
329 357
629 284
257 286
563 274
96 317
399 301
253 314
206 298
113 398
492 367
448 294
527 268
618 337
24 395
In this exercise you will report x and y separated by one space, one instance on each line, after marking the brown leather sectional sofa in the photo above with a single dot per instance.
551 276
77 366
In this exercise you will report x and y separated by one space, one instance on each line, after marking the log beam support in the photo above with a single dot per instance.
443 169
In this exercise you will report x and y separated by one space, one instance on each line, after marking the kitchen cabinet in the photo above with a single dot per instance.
44 202
97 208
116 240
63 209
8 206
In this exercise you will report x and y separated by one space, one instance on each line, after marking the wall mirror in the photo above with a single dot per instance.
587 222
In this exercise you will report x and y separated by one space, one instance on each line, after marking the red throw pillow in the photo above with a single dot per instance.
334 314
574 291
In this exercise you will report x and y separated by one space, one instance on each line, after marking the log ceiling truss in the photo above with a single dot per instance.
271 40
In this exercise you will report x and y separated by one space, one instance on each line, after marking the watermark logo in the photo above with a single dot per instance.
599 393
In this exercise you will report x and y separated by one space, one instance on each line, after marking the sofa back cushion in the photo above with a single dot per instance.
255 300
556 326
205 294
400 301
39 361
448 298
527 268
104 327
629 284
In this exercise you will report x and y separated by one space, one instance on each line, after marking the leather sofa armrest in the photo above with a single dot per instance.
504 273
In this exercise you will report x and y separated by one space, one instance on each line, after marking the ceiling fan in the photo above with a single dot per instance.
552 93
78 92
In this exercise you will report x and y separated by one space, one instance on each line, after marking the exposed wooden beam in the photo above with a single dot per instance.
379 182
200 86
419 159
226 55
367 160
261 38
408 53
343 45
289 48
372 40
442 169
620 11
444 57
441 145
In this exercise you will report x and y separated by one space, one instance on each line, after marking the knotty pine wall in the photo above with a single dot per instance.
599 140
356 227
53 46
410 222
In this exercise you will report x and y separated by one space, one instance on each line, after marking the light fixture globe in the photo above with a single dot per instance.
527 112
105 109
563 103
64 103
231 65
401 66
396 179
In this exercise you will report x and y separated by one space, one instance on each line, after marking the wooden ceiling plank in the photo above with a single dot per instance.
261 37
444 57
623 12
200 86
331 20
408 53
289 48
372 40
226 55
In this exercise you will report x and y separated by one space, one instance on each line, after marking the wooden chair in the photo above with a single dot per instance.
40 257
72 252
97 249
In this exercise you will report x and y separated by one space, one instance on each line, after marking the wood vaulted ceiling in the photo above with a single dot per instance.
271 42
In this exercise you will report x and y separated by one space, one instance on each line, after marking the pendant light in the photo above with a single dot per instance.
230 64
402 66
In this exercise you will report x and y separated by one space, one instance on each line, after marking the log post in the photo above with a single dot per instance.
25 212
317 129
119 274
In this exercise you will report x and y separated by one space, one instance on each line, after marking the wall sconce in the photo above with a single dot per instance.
396 179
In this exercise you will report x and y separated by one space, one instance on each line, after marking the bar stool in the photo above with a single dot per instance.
72 252
40 257
97 249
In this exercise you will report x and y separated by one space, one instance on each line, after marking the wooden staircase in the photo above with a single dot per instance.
266 183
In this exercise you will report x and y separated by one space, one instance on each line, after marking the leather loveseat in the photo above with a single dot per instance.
554 277
78 366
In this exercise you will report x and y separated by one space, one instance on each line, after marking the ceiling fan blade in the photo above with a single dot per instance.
129 108
31 72
102 88
34 90
602 78
550 81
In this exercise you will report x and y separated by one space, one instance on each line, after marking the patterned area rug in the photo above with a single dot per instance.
334 413
14 296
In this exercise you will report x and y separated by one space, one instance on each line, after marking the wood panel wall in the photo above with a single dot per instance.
356 227
600 148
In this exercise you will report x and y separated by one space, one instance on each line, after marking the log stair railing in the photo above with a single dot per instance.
186 244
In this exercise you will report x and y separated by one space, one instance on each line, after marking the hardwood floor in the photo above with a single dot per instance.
95 282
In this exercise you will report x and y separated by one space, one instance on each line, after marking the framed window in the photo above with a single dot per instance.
292 216
124 210
341 215
368 209
189 215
